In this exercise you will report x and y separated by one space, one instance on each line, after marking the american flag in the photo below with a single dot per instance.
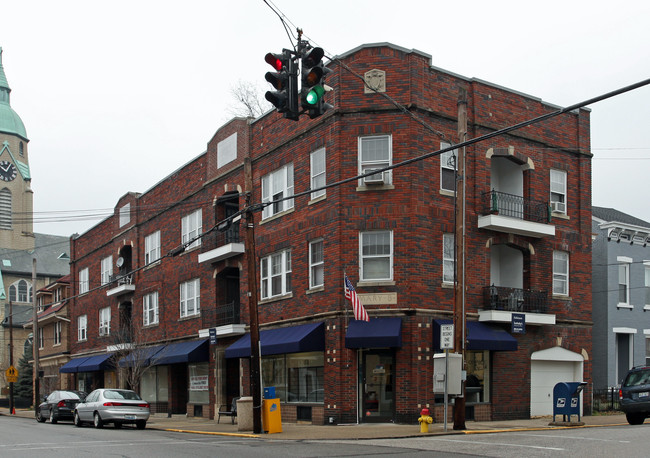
357 307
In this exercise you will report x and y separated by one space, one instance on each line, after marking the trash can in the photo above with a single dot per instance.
566 399
245 413
271 416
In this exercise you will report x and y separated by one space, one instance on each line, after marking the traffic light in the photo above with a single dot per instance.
285 81
313 88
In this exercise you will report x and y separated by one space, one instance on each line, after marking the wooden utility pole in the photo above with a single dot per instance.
459 302
35 343
255 375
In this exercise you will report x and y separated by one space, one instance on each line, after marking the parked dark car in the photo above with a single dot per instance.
59 405
110 405
634 395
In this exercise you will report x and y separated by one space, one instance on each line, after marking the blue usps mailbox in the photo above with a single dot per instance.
566 399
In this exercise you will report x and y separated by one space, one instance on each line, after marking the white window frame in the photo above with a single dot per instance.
646 271
192 226
106 270
152 247
623 270
445 159
105 321
318 169
84 282
190 298
277 185
150 309
316 264
275 274
369 255
368 163
125 214
57 333
448 258
560 273
558 190
82 328
41 338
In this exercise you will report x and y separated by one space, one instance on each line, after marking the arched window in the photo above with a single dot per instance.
20 291
5 209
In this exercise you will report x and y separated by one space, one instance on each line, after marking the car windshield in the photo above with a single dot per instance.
120 394
638 378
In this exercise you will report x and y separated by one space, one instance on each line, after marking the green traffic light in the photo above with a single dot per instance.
315 94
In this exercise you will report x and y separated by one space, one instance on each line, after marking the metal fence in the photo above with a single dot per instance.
606 399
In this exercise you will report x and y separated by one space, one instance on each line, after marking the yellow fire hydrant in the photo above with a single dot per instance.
425 420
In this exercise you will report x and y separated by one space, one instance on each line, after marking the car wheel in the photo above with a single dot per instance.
141 424
117 425
53 418
39 417
635 418
97 421
77 420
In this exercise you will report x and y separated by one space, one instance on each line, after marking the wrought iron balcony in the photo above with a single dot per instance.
509 213
514 299
221 315
120 284
222 245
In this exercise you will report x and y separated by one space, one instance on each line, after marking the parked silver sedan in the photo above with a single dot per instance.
109 405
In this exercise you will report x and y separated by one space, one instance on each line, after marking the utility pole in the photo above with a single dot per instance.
11 354
255 375
459 302
35 343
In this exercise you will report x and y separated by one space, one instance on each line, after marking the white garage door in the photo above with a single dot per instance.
547 368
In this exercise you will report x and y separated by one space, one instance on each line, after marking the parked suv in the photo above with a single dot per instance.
634 395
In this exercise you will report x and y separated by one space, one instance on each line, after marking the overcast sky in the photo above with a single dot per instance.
117 95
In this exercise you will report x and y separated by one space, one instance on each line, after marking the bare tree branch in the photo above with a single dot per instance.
249 100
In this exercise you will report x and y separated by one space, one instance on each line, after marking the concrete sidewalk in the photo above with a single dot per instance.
293 431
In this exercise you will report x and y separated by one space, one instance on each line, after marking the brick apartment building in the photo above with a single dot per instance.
144 281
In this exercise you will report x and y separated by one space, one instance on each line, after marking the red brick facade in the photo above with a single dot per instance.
412 207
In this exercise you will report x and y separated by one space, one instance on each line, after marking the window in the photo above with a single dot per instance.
227 150
150 309
276 274
647 284
318 172
41 338
107 270
277 185
375 153
57 333
448 168
558 191
647 351
5 209
82 323
191 227
376 255
125 215
105 321
316 264
561 273
20 291
297 377
83 281
448 258
624 283
152 247
190 298
198 387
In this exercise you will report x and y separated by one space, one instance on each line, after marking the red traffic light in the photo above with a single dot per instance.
274 60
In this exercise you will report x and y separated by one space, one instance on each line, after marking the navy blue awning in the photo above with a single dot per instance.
144 356
376 333
480 336
95 363
292 339
183 352
71 366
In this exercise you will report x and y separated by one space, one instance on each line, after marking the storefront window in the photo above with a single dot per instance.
297 377
153 384
198 389
477 386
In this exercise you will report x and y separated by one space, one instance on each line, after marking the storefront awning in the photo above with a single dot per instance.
95 363
184 352
480 336
71 366
143 356
376 333
292 339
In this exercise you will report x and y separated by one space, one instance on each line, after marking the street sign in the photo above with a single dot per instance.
446 336
213 336
12 375
518 325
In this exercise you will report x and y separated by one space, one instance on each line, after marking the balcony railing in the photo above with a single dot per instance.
504 204
221 315
121 279
514 299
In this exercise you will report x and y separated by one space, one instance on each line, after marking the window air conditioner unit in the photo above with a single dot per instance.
558 207
103 331
377 178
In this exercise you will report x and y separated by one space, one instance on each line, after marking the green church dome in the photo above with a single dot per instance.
10 122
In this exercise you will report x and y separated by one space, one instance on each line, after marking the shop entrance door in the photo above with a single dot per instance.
377 385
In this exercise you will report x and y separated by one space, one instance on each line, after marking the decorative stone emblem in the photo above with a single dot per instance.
375 79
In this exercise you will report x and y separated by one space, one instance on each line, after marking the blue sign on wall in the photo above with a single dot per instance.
213 336
518 323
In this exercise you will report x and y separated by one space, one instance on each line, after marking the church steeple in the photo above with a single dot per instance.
10 122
